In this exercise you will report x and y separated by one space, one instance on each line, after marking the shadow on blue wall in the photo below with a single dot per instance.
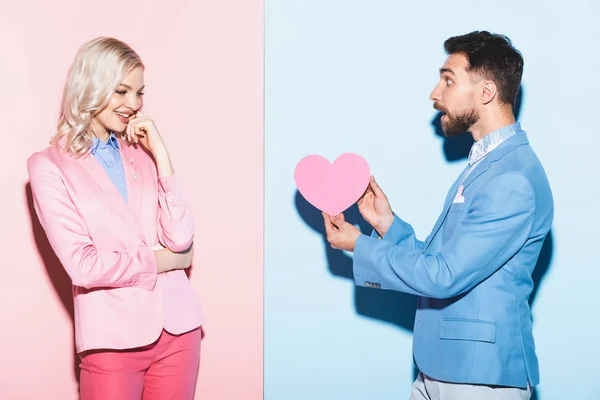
395 307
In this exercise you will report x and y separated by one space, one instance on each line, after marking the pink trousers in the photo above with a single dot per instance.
164 370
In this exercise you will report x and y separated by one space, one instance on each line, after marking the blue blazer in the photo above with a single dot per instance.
473 273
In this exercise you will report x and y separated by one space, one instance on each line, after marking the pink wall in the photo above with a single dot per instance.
204 82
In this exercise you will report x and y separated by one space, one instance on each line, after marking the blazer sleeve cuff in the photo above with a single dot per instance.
395 233
146 278
364 271
170 190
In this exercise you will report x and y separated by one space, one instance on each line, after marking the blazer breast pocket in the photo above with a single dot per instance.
455 213
478 330
456 207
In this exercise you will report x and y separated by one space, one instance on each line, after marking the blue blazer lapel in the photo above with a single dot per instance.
508 145
517 140
447 203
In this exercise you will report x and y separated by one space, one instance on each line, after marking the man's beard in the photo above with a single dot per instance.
454 126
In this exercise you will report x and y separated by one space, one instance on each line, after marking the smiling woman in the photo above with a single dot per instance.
124 104
114 213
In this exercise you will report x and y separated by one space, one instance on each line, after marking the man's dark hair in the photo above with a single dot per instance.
494 57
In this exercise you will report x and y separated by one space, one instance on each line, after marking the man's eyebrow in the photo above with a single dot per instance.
448 70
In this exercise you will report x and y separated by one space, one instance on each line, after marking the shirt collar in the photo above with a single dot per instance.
97 143
489 142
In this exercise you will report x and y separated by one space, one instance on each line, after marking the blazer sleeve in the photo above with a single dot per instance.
401 234
175 219
68 235
497 224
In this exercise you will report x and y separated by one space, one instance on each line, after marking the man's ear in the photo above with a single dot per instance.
488 91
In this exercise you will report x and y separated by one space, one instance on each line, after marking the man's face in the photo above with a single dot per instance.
454 96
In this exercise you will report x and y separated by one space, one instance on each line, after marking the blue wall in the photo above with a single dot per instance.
350 76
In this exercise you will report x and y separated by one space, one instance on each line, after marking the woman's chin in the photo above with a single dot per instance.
118 128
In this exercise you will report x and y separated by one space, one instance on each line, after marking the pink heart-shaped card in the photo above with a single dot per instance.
332 187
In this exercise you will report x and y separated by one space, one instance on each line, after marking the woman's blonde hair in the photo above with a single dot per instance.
97 71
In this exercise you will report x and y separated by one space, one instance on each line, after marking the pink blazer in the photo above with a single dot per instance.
105 245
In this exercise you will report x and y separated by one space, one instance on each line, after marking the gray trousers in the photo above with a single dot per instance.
425 388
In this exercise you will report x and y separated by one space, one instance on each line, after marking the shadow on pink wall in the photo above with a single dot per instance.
58 276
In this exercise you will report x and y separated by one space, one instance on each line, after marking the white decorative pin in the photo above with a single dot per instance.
135 176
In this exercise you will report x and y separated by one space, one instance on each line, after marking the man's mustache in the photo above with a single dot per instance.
439 108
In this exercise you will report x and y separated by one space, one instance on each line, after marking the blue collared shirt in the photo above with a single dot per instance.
109 157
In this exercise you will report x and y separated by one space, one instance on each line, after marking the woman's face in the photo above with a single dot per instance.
124 103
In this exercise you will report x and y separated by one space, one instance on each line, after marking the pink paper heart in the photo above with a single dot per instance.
332 188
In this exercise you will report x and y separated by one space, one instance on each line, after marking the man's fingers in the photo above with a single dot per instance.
375 187
367 190
329 228
338 221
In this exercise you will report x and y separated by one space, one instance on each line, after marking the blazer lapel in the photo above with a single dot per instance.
508 145
517 140
133 178
99 175
447 204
